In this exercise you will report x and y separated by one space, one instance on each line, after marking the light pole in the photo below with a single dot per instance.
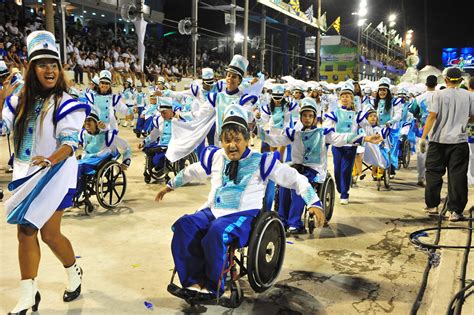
408 40
361 13
391 23
318 42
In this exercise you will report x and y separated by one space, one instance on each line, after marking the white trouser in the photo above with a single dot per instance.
420 162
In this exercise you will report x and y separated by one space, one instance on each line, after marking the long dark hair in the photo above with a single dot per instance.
27 98
388 100
283 103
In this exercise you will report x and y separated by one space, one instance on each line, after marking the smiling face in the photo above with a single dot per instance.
383 93
47 72
232 81
346 99
104 87
234 143
90 125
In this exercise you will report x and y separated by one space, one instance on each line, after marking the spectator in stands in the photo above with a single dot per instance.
119 69
77 65
138 72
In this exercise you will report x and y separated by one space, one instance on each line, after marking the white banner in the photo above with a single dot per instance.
140 29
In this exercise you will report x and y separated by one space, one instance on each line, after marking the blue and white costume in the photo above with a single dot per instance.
343 120
200 240
309 151
140 100
38 193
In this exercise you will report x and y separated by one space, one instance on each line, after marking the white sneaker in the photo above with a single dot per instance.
193 289
344 201
454 216
125 124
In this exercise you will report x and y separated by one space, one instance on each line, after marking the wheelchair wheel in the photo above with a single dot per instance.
89 208
177 166
266 251
311 225
236 294
386 177
406 156
152 172
88 190
327 194
111 185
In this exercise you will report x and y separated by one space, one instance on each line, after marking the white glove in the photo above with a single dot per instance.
422 145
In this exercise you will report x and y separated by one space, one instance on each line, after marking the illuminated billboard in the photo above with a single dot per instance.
460 57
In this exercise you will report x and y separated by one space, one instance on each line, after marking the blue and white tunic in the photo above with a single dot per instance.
129 97
309 147
392 116
247 191
161 132
278 119
106 106
37 192
140 99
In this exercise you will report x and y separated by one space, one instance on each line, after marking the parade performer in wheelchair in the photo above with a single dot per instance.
238 179
45 122
156 143
309 158
376 155
98 145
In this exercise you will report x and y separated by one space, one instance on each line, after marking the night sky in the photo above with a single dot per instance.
449 23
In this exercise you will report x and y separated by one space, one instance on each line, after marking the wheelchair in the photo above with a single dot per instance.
157 166
261 261
107 182
382 175
326 192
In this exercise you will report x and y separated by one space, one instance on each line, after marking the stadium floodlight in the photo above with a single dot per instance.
362 12
361 22
238 38
392 17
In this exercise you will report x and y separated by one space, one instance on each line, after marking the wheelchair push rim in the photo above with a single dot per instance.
327 197
179 165
266 251
406 154
111 185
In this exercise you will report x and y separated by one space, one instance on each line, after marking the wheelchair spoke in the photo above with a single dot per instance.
117 194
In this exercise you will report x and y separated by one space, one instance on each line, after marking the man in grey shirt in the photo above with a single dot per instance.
449 113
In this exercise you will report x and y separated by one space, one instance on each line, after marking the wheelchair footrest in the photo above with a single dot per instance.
196 298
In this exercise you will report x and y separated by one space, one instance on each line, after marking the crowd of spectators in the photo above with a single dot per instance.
392 60
93 47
